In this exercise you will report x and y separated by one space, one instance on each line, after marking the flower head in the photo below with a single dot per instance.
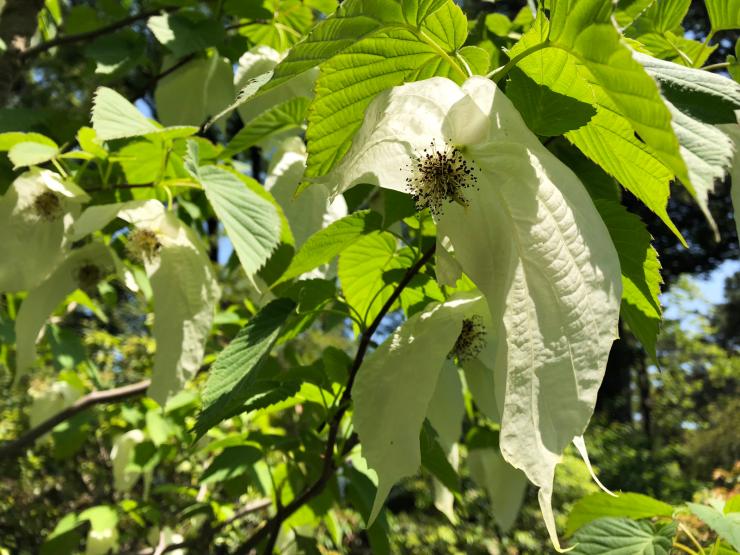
440 174
48 206
143 244
471 341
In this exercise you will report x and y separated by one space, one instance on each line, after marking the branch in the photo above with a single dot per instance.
271 528
95 33
13 448
249 508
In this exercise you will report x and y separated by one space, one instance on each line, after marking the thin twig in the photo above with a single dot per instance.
14 447
95 33
271 528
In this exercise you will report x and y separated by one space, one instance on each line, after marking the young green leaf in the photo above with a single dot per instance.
599 505
251 222
361 268
641 277
232 378
723 14
614 536
114 117
327 243
726 525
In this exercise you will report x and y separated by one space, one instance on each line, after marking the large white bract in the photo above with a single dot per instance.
527 233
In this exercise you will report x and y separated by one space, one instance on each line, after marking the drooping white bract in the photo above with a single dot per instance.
35 214
184 287
396 385
81 269
310 211
524 229
255 64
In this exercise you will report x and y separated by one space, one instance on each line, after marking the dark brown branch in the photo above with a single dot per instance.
249 508
271 528
13 448
95 33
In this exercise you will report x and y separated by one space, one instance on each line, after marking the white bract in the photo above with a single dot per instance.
184 287
523 228
396 385
255 64
35 213
310 211
82 269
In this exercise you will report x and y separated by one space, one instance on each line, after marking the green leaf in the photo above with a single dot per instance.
733 130
723 14
504 484
324 245
545 112
230 381
630 505
282 119
230 463
641 277
619 536
394 388
31 154
608 138
392 55
477 59
700 94
251 222
434 459
662 16
726 526
361 268
114 117
10 139
185 32
584 30
209 82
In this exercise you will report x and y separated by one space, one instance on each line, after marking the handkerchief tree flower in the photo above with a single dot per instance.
525 230
402 243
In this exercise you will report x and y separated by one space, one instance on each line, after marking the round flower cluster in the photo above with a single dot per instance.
440 176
